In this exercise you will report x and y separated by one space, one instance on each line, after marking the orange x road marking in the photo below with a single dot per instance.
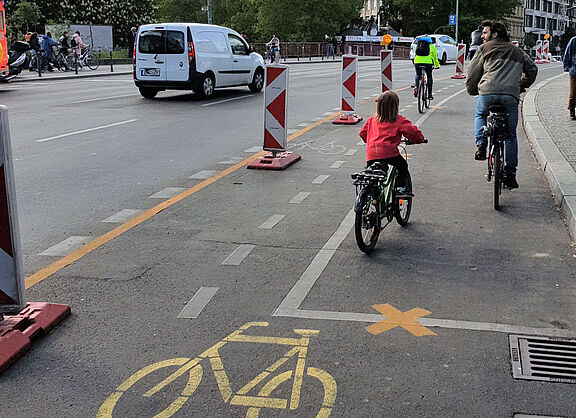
395 318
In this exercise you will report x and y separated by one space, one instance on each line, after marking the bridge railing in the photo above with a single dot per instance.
307 50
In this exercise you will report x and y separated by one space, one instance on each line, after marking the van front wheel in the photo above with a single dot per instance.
148 92
257 81
206 87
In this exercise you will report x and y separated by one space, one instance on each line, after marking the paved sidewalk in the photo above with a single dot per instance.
553 138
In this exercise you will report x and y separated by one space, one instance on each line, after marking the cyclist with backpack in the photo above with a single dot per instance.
425 59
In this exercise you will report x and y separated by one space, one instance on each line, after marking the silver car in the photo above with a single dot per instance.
446 47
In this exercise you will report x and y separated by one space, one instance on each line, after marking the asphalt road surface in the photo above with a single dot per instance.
246 293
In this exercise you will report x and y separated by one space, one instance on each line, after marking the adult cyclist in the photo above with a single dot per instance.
497 74
425 59
274 45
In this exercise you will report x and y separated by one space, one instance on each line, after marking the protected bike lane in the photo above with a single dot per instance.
277 248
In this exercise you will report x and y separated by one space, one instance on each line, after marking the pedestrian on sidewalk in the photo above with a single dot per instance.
130 38
497 75
382 134
569 61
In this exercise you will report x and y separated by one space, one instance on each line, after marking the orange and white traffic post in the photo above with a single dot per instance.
20 322
460 62
546 51
348 96
275 108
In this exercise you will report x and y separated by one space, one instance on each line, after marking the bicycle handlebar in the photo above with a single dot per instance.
407 142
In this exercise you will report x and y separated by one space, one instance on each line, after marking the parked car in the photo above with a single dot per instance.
194 56
446 48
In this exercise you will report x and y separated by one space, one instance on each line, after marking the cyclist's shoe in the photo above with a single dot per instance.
510 180
480 154
430 97
401 192
412 85
573 114
415 91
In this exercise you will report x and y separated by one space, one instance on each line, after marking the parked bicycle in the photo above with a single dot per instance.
496 132
62 60
86 59
378 201
39 63
423 94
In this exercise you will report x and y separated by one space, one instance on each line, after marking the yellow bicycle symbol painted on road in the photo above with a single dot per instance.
268 378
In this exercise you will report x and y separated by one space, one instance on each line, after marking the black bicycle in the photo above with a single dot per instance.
495 133
378 201
423 94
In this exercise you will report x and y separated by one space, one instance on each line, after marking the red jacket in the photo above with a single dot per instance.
382 138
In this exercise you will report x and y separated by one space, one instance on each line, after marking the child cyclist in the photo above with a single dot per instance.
383 133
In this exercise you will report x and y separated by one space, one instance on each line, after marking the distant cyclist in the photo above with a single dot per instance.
274 45
425 59
498 73
475 42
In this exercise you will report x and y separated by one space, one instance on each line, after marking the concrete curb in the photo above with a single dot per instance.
558 172
68 76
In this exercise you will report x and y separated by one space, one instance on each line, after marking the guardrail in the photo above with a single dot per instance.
309 50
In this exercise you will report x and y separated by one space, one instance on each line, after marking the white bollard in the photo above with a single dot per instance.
545 51
538 52
386 59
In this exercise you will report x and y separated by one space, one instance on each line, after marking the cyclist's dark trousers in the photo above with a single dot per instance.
401 165
428 69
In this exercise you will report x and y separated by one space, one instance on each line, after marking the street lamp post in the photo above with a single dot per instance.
456 29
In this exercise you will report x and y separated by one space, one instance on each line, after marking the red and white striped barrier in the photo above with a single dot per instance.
11 280
538 52
546 51
275 106
386 69
29 320
460 62
348 98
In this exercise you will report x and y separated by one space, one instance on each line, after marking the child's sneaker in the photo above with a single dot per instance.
415 91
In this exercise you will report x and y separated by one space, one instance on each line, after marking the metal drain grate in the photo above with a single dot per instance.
543 358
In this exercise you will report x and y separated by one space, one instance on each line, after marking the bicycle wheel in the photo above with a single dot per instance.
421 93
403 206
367 221
426 95
92 62
41 63
497 172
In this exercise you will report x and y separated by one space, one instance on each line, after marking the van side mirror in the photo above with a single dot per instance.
251 49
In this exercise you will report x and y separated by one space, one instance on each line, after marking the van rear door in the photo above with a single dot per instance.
151 55
176 54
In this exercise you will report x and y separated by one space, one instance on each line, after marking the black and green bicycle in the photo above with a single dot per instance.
378 202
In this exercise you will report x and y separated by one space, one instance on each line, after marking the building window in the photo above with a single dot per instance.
529 21
536 5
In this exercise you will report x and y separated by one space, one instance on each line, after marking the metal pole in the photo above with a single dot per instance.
456 31
208 12
111 66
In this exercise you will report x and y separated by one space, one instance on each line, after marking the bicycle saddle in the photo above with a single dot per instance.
497 108
376 167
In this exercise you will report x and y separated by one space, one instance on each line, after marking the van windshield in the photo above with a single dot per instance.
161 42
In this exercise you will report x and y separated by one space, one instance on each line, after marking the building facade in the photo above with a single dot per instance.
546 17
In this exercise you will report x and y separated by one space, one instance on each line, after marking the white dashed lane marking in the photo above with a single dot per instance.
351 151
204 174
198 302
167 193
232 161
337 164
271 222
255 148
67 246
320 179
123 215
238 255
299 198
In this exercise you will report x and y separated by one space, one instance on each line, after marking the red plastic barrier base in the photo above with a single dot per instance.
347 120
274 162
541 62
18 331
458 76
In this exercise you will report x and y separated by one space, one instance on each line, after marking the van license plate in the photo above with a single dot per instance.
154 72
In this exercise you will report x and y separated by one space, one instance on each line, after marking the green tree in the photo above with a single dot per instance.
415 17
181 11
27 16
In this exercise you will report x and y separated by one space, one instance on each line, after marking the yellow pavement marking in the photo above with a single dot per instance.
97 242
395 318
119 230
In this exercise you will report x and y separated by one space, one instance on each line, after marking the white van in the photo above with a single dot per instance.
194 56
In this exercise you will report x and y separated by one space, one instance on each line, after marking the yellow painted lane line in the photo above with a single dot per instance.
58 265
126 226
